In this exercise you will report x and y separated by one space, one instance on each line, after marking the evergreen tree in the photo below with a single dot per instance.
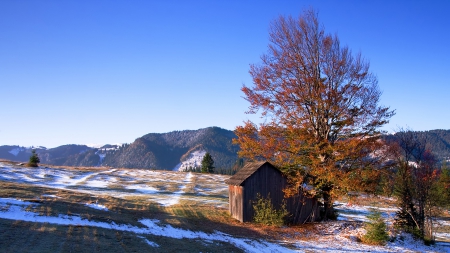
34 159
376 230
207 164
415 185
443 187
407 213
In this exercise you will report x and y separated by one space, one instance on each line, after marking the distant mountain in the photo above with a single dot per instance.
15 153
177 150
170 150
174 150
438 141
69 155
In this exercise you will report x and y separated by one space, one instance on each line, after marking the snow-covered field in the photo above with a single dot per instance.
164 187
167 188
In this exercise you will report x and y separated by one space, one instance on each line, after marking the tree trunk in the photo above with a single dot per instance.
421 218
328 210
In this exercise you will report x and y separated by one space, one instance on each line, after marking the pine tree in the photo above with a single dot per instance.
376 230
207 164
443 186
34 159
407 214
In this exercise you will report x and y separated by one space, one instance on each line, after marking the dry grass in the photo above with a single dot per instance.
56 238
19 236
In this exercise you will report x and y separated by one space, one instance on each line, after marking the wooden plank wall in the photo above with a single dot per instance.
303 209
270 180
235 202
264 181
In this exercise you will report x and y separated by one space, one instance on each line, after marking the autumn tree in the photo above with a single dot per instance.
320 105
207 164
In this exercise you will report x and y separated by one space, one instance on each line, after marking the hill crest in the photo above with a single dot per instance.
176 150
164 151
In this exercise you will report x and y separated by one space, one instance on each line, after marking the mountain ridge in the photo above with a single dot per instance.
163 151
173 150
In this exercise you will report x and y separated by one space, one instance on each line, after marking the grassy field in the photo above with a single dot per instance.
125 210
22 236
67 191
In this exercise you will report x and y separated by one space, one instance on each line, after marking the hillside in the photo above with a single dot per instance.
167 150
438 141
177 150
69 155
164 151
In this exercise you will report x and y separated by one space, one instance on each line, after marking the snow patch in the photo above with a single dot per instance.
348 212
71 181
15 212
175 197
97 206
143 188
97 183
50 196
17 202
337 237
102 157
194 160
15 151
153 244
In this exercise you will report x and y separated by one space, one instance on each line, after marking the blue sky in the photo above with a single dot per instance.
97 72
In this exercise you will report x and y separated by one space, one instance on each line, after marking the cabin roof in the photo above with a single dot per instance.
244 173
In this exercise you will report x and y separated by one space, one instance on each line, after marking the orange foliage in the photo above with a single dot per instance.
321 108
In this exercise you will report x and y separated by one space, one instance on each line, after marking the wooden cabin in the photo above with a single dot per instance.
267 180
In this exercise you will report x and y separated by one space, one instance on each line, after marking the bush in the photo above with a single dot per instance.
265 212
376 230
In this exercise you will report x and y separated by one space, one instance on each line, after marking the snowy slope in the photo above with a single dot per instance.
194 160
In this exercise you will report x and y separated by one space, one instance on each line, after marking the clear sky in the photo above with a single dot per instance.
98 72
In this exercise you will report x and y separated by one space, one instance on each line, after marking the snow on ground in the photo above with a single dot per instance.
404 243
163 187
143 188
71 181
211 184
97 206
359 213
194 160
442 235
17 202
16 211
175 197
336 238
153 244
170 188
50 196
347 243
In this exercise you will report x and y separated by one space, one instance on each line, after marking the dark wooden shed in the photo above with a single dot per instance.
267 180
